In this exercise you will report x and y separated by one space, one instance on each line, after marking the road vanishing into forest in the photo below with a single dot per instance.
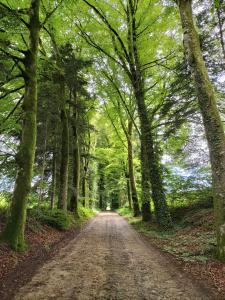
110 260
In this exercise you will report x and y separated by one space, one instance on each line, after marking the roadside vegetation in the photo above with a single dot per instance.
46 231
191 242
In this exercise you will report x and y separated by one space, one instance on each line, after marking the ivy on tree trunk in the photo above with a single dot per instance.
131 171
212 123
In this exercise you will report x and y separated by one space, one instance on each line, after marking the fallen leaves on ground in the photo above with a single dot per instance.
192 245
43 237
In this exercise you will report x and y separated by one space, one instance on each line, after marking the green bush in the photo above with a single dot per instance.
187 198
125 211
55 218
85 212
58 218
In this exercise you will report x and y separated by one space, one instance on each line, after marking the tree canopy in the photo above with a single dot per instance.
109 104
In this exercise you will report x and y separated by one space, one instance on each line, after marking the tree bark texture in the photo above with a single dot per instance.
14 231
54 180
131 171
64 166
128 190
212 123
148 155
76 164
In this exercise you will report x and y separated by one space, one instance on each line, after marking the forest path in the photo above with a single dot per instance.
109 260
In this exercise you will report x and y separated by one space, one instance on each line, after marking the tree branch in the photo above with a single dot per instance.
49 14
116 34
12 111
12 91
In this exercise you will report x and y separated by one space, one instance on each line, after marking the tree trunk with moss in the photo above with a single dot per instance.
149 158
131 185
76 162
212 123
64 155
219 12
54 180
90 189
145 186
64 165
101 186
83 188
128 190
76 176
131 171
14 231
41 187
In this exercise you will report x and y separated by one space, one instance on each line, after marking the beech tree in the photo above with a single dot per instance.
126 54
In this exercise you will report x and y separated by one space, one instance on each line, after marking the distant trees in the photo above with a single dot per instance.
126 55
125 110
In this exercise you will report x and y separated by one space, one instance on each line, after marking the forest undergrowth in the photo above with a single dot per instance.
190 243
46 231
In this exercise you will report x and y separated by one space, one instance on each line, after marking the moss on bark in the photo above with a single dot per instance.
145 185
149 160
76 162
14 231
132 183
212 123
64 165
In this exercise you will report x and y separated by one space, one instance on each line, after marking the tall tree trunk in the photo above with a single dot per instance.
145 185
150 158
86 158
64 166
83 186
54 179
14 231
131 171
76 177
64 163
40 198
57 163
212 123
148 155
90 190
129 198
76 162
220 24
101 186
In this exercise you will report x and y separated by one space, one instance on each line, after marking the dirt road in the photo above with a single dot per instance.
109 260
